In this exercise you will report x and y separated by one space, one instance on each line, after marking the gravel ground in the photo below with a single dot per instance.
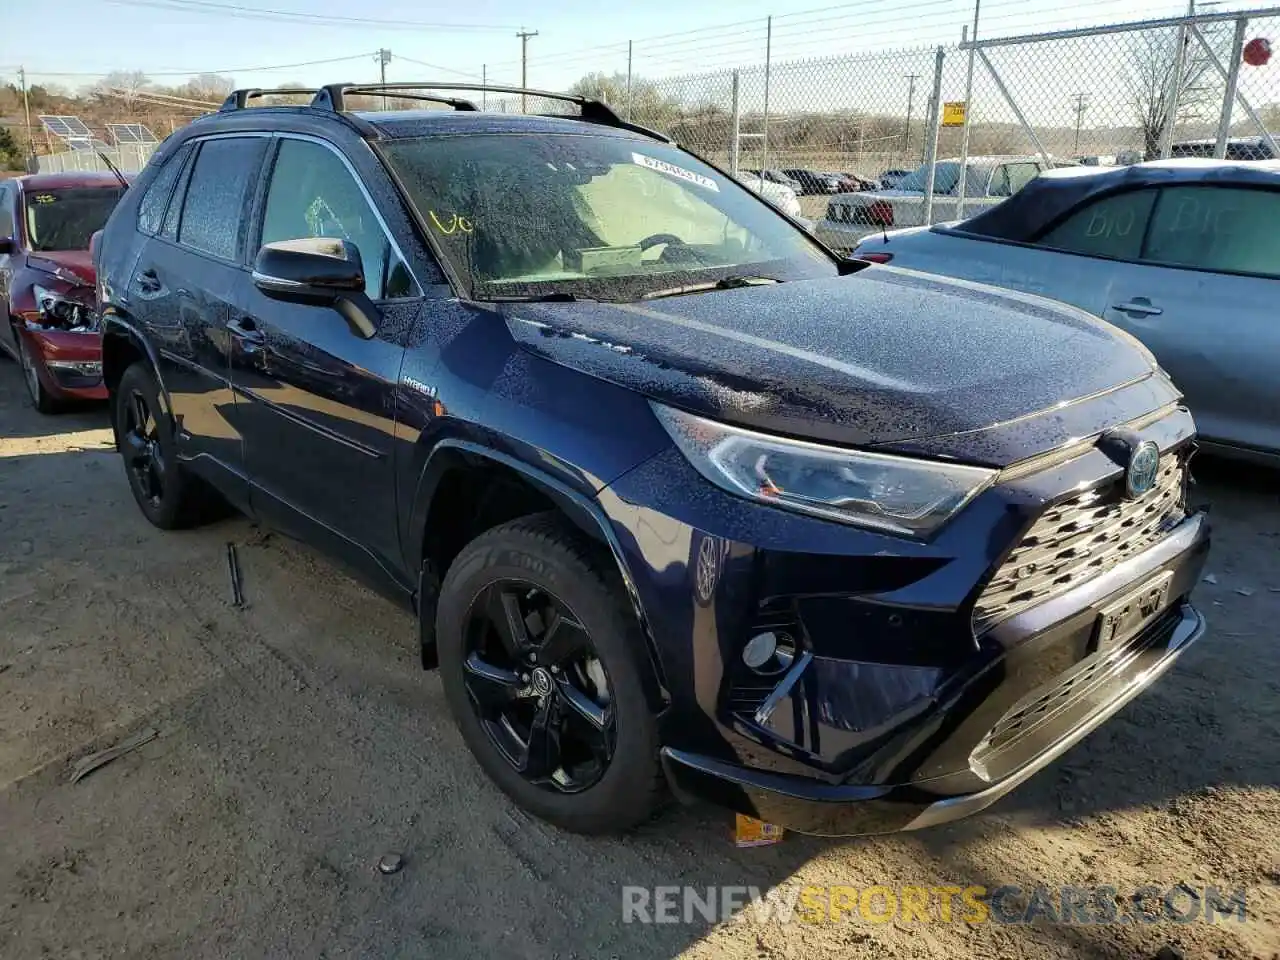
298 741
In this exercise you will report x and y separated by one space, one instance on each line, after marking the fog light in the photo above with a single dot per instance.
85 368
760 649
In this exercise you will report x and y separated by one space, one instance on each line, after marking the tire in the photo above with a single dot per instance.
167 496
549 556
41 398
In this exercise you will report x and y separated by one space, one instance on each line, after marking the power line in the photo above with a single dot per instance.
209 7
436 66
194 72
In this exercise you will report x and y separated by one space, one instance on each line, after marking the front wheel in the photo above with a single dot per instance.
41 398
144 429
541 664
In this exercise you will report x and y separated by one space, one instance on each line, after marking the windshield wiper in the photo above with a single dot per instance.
724 283
557 297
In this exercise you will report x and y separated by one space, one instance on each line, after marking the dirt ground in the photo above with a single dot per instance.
298 741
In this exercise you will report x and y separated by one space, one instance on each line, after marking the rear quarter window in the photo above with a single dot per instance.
152 206
1111 227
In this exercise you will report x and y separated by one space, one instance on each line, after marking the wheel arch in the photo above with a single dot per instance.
123 344
451 468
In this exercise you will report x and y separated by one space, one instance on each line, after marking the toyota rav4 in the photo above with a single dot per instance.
678 496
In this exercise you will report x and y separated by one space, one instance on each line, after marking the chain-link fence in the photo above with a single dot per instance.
1108 95
1131 92
126 157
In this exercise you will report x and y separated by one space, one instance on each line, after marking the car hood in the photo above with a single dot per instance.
881 356
72 265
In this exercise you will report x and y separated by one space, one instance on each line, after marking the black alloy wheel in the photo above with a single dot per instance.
142 448
538 687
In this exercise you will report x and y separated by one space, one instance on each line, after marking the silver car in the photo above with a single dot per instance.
1183 254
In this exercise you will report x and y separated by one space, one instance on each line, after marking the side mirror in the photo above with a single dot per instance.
320 271
6 245
95 244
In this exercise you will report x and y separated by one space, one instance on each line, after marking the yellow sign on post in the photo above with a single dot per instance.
953 113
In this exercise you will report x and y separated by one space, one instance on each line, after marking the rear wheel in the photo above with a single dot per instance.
541 664
168 497
41 398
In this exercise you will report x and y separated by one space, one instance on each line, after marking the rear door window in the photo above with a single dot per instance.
1224 229
1111 227
153 203
217 200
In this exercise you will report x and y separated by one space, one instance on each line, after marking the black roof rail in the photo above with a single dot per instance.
333 97
239 99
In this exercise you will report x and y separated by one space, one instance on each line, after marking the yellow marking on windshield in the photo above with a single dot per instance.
455 221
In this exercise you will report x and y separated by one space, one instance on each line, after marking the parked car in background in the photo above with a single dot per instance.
852 183
1237 148
677 495
893 176
47 304
989 181
777 176
813 182
784 198
1183 254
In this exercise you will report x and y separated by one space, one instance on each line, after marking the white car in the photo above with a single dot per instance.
782 197
990 180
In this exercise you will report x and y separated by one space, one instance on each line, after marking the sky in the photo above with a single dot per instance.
170 40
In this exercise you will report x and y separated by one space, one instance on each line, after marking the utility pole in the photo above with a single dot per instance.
524 36
1081 101
26 109
384 57
484 86
911 102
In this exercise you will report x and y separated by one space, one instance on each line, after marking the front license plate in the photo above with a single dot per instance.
1121 620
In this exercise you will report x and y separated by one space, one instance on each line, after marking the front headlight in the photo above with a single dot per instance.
59 309
898 494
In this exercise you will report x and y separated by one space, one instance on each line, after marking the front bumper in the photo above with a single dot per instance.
69 363
814 807
898 709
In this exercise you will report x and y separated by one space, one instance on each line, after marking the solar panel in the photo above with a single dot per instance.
86 144
65 127
124 133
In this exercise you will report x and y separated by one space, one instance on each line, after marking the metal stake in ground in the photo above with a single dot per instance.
233 565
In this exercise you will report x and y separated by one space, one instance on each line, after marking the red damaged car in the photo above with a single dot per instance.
47 283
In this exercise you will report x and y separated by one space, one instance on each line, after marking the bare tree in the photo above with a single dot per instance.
1152 76
648 105
208 86
125 84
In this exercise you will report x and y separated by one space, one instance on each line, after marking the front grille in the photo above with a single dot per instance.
1078 539
1070 688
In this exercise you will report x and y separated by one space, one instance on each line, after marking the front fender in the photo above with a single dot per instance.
577 503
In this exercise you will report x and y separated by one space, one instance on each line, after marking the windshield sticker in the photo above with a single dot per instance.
45 198
451 224
671 170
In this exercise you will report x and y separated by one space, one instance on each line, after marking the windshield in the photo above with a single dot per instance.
945 178
65 219
599 217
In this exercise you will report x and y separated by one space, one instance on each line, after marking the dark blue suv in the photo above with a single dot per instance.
679 497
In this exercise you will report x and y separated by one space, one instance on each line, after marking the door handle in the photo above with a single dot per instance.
1139 307
246 330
